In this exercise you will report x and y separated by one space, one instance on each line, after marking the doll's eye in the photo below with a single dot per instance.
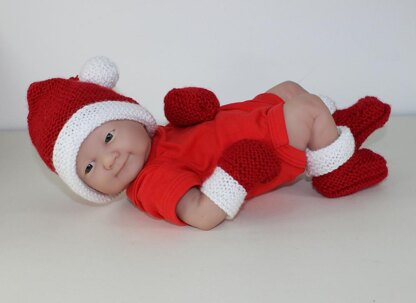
89 167
109 137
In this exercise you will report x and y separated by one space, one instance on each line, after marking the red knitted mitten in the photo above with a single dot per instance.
363 118
190 105
364 169
250 162
243 165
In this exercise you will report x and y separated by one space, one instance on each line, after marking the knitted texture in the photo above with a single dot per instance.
363 170
52 102
224 191
100 70
190 105
63 112
330 104
250 162
74 132
363 118
329 158
243 165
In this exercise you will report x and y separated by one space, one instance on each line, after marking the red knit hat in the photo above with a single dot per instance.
63 112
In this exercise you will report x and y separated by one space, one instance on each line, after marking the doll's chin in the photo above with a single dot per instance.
135 169
131 176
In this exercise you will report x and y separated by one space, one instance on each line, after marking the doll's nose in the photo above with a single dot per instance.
109 159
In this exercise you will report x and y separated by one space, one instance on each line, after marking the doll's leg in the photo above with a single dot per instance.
309 123
336 167
362 118
287 90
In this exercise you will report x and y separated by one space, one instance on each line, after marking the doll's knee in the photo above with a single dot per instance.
312 104
301 115
287 90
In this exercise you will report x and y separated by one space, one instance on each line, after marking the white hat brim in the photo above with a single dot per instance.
79 126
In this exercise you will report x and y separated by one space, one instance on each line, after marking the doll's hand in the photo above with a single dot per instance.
243 166
190 105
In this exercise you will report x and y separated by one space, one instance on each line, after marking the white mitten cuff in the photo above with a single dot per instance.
329 103
328 159
224 191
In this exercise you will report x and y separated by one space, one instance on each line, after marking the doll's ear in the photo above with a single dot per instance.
190 105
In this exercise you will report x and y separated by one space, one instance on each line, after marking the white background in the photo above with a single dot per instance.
344 49
289 245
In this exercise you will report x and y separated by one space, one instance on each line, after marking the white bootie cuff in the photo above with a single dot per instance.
329 103
329 158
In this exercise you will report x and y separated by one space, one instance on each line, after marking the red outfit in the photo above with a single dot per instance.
184 157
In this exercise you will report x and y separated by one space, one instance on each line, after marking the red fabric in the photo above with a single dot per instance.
182 158
52 102
364 169
363 118
250 163
190 105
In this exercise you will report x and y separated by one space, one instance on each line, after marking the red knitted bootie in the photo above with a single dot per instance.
363 118
364 169
339 169
190 105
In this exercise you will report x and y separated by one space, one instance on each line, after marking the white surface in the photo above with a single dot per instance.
291 245
237 48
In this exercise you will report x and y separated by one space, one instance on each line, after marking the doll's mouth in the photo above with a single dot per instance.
122 166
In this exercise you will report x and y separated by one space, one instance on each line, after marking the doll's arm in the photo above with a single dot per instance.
199 211
190 105
243 166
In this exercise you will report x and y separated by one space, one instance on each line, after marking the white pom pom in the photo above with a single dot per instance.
100 70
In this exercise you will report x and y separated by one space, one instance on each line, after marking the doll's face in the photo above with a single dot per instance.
112 155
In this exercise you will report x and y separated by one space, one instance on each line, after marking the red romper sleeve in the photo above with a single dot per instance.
158 189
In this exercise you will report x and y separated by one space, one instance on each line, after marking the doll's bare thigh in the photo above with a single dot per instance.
300 113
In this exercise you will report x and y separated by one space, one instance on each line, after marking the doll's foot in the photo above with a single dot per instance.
363 118
364 169
339 169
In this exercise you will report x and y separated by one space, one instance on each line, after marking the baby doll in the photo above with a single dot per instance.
201 167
